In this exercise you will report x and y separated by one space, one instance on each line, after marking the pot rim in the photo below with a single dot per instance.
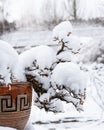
18 84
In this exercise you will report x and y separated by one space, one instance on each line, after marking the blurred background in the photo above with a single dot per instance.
28 23
44 14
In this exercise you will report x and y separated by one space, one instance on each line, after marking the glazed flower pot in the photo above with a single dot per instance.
15 104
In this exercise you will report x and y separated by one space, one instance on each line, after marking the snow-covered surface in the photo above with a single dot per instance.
33 58
8 56
19 11
24 38
6 128
40 62
62 30
33 37
43 59
74 43
89 119
69 75
70 119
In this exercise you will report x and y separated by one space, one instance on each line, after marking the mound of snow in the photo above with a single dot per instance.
40 56
8 60
62 34
62 30
74 43
69 75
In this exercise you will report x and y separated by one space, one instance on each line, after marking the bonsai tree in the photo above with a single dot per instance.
54 75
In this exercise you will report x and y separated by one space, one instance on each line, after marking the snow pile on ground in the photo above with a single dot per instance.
97 47
97 79
89 118
95 127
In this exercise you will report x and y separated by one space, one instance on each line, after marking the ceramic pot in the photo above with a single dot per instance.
15 104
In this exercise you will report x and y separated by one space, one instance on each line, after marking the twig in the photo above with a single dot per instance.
62 47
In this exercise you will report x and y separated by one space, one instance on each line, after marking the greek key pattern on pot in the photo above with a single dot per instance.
8 104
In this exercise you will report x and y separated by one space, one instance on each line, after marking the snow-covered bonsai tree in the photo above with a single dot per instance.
54 75
55 78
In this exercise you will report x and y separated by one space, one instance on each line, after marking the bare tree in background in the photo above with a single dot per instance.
1 17
75 9
4 24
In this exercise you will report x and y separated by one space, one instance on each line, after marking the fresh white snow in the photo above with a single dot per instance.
40 56
62 30
69 75
6 128
8 58
92 111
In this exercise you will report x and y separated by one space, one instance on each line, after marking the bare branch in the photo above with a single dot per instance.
62 47
36 85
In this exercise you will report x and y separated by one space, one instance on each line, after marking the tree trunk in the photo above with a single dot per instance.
74 10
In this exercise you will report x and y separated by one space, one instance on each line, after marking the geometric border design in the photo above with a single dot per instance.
7 104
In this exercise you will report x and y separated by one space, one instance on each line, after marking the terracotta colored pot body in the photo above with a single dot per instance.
15 105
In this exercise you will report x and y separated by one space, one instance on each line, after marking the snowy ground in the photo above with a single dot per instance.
31 37
70 119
